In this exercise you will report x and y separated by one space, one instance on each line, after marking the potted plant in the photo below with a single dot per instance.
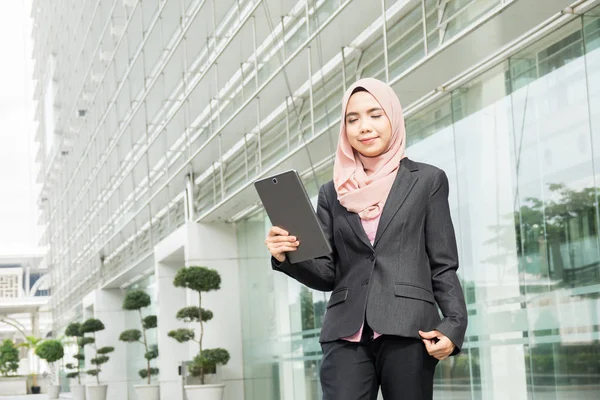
74 331
9 364
135 301
51 351
200 279
31 343
98 391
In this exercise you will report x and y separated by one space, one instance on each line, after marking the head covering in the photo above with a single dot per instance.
363 183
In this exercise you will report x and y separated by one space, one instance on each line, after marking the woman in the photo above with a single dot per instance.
394 257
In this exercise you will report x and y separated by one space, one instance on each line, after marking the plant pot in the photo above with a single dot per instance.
96 392
53 391
35 390
78 392
147 392
204 392
13 386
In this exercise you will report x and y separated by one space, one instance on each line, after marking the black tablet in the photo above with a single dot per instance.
288 206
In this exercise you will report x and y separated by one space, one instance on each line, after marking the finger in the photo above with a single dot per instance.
275 231
429 346
285 249
429 335
277 246
281 239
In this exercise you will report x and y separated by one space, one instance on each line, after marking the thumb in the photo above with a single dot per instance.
428 335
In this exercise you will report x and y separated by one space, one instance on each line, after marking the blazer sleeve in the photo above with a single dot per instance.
318 273
440 241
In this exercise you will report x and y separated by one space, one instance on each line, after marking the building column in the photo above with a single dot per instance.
215 246
169 257
106 305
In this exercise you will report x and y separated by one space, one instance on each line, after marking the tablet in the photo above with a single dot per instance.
288 206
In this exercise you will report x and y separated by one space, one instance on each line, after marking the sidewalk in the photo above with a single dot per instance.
27 397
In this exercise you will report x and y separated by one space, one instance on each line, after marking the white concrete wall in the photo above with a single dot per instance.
106 305
213 246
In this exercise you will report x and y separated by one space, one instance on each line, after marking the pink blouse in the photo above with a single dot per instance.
370 227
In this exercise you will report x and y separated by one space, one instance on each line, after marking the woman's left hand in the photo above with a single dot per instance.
438 345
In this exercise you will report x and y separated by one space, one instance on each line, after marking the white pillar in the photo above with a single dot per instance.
169 256
106 305
215 246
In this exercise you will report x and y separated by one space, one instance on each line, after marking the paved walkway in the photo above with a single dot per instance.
28 397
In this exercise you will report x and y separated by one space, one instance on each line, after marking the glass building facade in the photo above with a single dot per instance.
156 115
521 146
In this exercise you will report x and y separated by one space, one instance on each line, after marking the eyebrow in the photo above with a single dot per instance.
370 110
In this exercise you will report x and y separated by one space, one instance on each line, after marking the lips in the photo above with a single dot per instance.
367 140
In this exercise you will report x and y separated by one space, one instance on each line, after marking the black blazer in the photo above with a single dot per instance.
397 281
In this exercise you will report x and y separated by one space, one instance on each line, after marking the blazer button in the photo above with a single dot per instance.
372 257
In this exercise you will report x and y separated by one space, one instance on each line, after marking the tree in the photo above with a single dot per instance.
135 301
92 326
74 331
51 351
199 279
31 343
9 358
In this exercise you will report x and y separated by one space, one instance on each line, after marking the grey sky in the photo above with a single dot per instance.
18 210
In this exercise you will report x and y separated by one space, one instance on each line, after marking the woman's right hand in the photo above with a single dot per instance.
279 242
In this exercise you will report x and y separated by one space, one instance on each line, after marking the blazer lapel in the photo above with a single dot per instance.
356 225
403 184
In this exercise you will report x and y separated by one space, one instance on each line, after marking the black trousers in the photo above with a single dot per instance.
354 371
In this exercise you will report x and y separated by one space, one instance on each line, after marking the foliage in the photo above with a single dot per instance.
106 350
130 336
9 358
74 330
92 325
182 335
199 279
136 300
32 343
208 361
84 341
150 322
192 314
144 372
152 353
50 350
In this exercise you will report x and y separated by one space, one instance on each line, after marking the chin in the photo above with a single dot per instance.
370 152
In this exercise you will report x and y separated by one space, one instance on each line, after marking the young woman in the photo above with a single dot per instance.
394 258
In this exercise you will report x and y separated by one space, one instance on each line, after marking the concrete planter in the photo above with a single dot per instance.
53 391
204 392
147 392
13 386
78 392
96 392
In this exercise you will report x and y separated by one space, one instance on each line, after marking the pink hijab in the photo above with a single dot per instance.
363 183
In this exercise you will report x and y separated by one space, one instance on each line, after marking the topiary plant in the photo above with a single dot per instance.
52 351
74 331
199 279
135 301
9 358
31 343
92 326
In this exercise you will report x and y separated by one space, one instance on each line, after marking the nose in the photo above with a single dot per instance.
364 127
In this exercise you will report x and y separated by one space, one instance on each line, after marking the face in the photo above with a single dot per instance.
368 128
